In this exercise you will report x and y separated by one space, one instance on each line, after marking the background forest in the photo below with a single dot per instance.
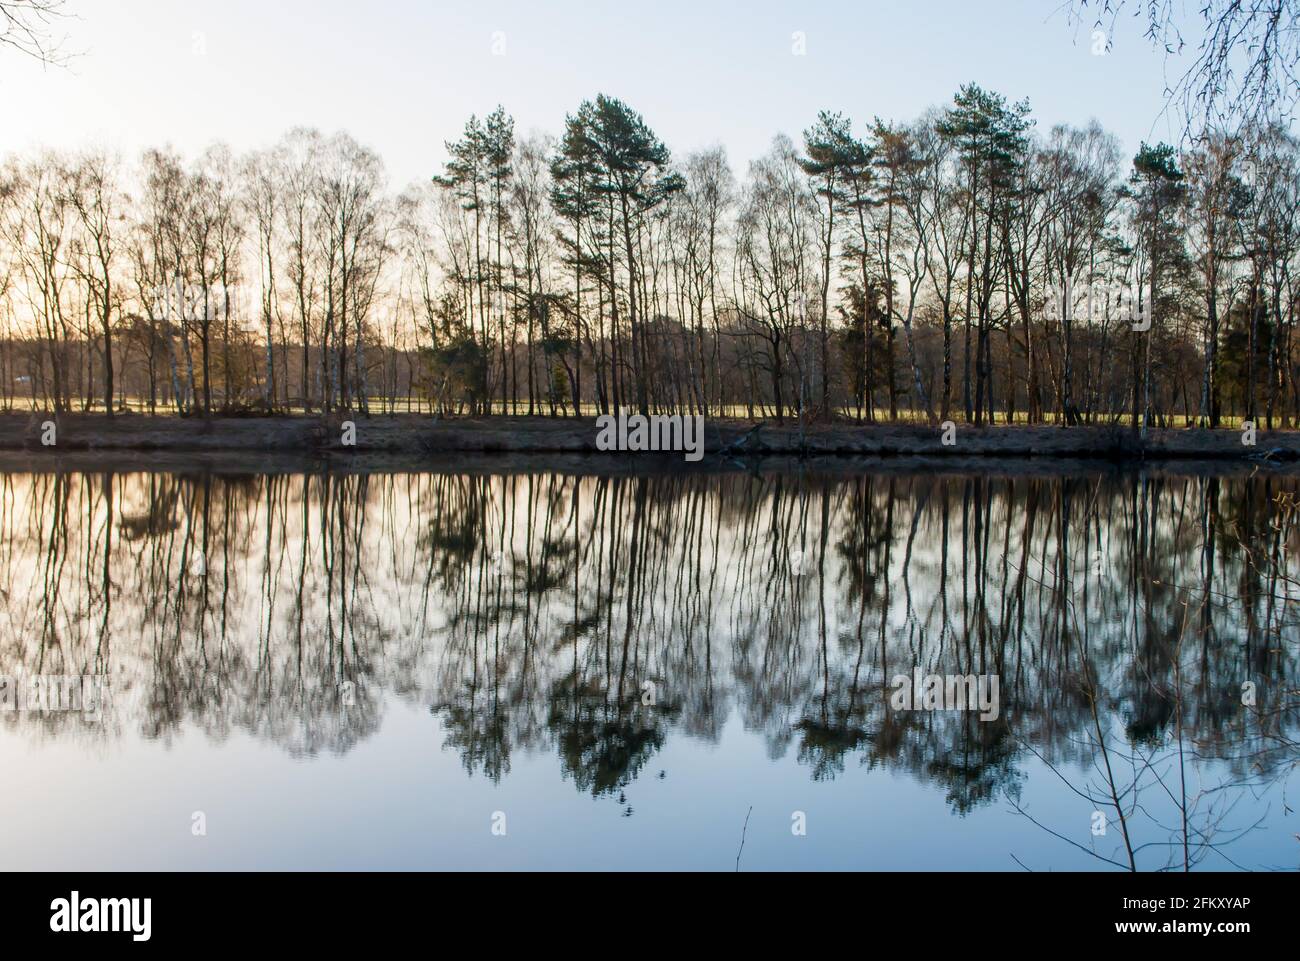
967 264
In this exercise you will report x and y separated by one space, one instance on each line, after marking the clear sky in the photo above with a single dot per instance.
403 75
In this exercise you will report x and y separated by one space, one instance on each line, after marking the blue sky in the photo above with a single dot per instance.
403 75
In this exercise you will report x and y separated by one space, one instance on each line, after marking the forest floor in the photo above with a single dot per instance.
414 437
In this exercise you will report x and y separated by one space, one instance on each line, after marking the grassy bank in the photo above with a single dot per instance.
416 436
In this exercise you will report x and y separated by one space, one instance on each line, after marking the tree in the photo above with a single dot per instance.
949 228
261 198
354 226
831 155
1080 167
97 200
1215 200
466 177
575 201
1243 74
219 173
498 155
299 161
532 232
989 137
909 155
1274 166
774 239
634 175
699 236
38 229
1156 189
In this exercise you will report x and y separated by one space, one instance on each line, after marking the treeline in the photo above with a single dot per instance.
965 265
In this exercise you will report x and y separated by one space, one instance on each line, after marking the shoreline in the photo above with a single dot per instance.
421 442
242 465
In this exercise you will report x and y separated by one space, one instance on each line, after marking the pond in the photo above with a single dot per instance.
554 668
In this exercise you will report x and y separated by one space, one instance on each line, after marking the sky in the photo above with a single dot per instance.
402 76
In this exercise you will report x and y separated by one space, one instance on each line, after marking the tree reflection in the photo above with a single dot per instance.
594 618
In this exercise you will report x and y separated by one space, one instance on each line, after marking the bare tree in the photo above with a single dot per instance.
38 228
95 195
774 270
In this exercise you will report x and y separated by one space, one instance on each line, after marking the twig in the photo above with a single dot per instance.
743 832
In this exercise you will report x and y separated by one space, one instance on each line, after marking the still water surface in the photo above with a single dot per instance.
339 670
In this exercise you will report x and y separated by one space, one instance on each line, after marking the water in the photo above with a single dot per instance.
545 669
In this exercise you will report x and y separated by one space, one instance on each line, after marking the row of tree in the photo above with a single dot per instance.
962 265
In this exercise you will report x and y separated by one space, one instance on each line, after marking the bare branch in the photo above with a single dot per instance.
29 26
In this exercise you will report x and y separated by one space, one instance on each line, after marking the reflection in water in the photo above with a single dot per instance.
596 619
